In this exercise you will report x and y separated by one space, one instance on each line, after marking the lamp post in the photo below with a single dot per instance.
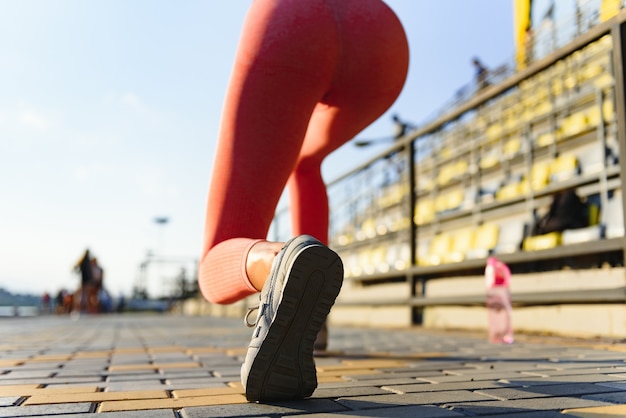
160 221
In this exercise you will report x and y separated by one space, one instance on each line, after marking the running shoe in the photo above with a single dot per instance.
304 281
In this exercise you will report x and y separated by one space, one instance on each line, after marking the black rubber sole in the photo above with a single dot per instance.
284 368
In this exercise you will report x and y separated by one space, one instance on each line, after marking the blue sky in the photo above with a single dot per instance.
109 112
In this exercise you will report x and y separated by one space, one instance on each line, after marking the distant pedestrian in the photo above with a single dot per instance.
91 282
83 267
45 303
481 74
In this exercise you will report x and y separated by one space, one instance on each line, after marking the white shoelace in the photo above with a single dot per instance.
246 318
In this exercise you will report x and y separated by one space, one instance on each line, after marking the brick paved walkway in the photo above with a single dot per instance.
169 366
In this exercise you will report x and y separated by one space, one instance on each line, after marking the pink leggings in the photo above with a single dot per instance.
308 77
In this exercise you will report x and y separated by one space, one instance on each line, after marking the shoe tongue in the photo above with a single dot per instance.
267 286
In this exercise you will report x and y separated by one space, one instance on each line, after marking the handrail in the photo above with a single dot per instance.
559 297
513 259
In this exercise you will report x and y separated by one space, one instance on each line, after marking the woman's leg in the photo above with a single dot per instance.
368 80
301 68
284 64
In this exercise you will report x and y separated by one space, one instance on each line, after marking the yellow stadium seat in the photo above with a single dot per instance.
608 110
462 242
489 160
594 214
493 132
511 121
594 116
446 174
454 199
366 261
445 152
542 242
345 239
541 94
422 251
400 223
545 106
539 178
604 81
441 203
545 139
424 212
563 167
439 246
367 230
459 169
591 71
379 259
574 124
557 86
480 123
527 114
485 240
508 191
570 80
512 147
393 195
398 256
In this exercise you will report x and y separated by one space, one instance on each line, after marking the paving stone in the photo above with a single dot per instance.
349 391
43 398
535 414
28 374
430 398
80 372
470 377
612 397
194 383
18 390
9 400
144 385
188 373
393 412
36 366
439 387
154 413
593 378
121 373
598 412
358 383
377 401
130 377
63 390
270 409
592 370
45 410
171 403
100 384
52 380
523 405
576 389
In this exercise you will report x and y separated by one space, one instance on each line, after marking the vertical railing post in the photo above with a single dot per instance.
618 35
413 230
